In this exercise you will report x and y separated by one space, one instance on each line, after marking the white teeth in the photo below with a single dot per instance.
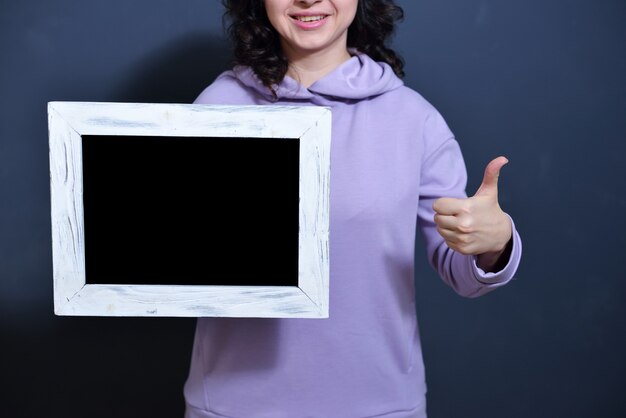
309 18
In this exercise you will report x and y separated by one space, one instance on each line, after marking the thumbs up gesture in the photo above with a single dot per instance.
476 225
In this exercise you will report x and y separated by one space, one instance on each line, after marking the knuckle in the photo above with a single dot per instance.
464 248
466 227
465 240
466 207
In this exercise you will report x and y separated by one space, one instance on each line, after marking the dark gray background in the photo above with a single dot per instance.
537 80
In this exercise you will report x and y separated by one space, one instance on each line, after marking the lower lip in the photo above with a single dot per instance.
314 24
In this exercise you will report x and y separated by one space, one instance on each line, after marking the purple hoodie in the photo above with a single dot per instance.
392 155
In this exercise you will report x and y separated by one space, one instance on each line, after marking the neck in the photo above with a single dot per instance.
309 67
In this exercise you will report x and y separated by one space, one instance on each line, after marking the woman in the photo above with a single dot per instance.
395 167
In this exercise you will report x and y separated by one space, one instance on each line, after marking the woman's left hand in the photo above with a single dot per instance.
476 225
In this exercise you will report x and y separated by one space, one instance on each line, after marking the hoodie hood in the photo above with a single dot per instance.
358 78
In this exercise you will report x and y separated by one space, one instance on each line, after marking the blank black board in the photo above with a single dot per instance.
191 210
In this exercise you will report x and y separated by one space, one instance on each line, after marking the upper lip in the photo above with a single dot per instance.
305 14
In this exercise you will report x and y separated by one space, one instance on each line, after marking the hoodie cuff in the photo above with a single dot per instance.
506 274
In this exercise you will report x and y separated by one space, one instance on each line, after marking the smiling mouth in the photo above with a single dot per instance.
307 19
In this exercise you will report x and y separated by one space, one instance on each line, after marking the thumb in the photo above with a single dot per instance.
489 185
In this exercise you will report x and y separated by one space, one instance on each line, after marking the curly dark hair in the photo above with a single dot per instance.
257 44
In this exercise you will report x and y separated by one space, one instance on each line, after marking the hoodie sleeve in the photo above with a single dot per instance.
443 174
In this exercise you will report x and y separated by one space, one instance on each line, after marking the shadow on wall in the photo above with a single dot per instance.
177 72
70 364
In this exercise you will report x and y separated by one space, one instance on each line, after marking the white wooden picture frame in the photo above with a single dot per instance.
69 121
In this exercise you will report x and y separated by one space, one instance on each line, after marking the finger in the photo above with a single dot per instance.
448 222
489 186
459 243
449 236
449 206
453 240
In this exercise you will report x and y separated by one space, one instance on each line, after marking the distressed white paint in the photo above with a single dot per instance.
159 300
68 121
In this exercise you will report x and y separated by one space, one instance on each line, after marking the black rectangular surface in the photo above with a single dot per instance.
191 210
